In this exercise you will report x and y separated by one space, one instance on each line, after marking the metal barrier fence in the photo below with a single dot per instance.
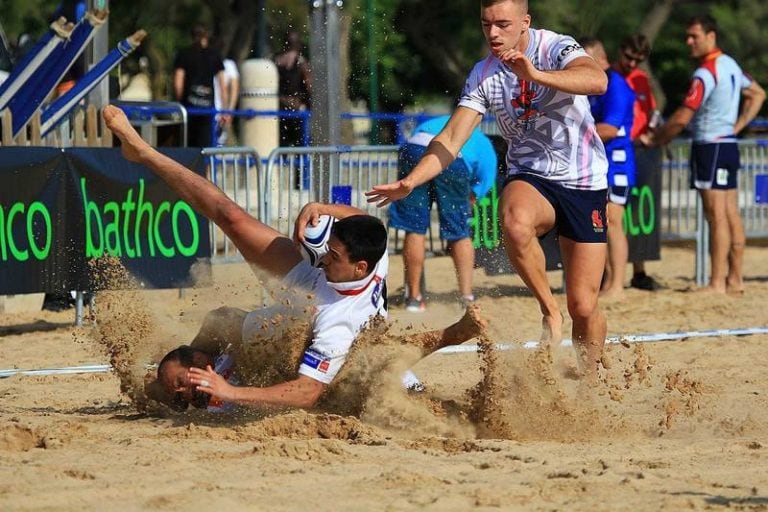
341 174
294 176
680 203
236 171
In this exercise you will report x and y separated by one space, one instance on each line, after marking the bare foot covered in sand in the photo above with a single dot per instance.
132 145
552 329
469 326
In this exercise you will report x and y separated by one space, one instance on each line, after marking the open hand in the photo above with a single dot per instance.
211 383
382 195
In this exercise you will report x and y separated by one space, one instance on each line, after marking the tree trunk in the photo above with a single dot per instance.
650 27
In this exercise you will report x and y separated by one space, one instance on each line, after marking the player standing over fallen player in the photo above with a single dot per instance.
535 83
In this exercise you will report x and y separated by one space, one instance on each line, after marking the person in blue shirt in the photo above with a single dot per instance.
467 179
614 115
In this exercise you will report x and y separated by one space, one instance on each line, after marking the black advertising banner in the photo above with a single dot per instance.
485 226
642 222
59 209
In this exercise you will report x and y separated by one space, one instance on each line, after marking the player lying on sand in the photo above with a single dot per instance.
349 289
206 372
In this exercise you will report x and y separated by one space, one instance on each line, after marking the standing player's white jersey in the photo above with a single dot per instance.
550 133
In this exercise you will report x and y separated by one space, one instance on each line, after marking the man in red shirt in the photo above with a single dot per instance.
635 49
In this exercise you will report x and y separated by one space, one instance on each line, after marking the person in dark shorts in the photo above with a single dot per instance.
722 100
633 51
535 82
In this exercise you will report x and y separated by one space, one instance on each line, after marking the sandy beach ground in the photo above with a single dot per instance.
670 426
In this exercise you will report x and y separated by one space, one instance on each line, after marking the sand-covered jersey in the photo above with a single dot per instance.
549 133
343 309
714 94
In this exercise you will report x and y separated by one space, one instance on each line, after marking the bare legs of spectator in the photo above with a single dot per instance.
413 263
734 283
726 240
462 253
618 253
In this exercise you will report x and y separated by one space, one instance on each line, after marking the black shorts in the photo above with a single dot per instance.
715 166
579 214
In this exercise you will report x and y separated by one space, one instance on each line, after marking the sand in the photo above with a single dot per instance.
672 425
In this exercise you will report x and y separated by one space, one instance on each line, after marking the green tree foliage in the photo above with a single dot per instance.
423 48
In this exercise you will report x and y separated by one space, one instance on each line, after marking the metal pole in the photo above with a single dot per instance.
326 87
373 70
702 243
99 96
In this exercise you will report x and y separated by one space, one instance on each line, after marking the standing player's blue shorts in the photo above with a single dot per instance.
450 190
715 165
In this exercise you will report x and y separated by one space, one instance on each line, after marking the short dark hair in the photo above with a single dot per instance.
183 354
364 237
707 22
638 44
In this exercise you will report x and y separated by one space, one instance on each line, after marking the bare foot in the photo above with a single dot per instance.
734 286
612 294
552 329
132 145
471 325
706 290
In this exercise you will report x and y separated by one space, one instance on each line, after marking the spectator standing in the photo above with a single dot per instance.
633 51
294 88
195 69
455 189
535 82
613 114
232 85
712 108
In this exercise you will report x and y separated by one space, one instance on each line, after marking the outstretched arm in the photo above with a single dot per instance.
439 155
257 242
301 392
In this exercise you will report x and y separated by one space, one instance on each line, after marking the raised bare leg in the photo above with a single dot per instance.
469 326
